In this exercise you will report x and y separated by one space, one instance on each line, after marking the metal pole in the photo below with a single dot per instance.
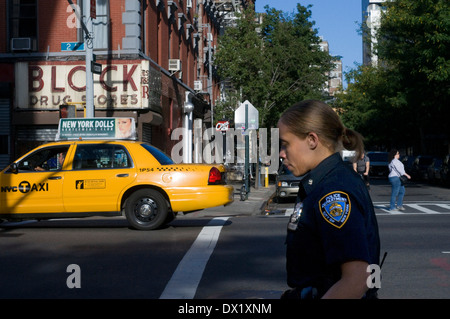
89 59
88 44
210 88
188 109
247 187
186 139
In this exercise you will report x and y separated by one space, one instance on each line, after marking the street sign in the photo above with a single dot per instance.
96 128
252 115
222 126
96 68
72 46
93 9
246 117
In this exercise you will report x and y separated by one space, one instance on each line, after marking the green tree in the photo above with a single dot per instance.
414 39
273 64
372 104
405 100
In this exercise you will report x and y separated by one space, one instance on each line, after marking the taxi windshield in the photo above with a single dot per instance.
162 158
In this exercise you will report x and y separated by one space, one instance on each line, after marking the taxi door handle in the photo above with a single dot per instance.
54 177
122 175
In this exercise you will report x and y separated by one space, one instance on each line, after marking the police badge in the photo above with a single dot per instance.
335 208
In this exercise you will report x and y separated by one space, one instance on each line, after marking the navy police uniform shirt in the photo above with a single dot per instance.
333 222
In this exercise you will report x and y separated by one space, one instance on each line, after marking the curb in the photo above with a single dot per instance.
254 205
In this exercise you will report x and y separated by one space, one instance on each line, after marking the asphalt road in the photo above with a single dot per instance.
417 240
227 253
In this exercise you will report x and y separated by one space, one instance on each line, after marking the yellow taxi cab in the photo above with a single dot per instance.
101 177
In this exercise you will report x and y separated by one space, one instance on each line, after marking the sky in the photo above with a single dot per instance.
337 21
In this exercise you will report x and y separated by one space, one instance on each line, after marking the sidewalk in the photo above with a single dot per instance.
254 205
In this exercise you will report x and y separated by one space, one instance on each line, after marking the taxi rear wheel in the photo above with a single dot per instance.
146 209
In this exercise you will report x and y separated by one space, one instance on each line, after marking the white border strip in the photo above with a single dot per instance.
185 279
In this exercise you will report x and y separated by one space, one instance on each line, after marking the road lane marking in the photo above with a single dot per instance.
385 208
392 212
422 209
185 279
412 208
416 208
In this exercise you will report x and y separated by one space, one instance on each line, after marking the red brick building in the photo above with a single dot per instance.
154 54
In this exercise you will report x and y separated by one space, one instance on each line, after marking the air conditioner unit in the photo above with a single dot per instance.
174 65
198 86
20 44
189 4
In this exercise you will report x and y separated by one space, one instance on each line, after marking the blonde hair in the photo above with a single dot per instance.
318 117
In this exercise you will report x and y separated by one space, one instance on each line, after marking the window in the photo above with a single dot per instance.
100 25
95 156
162 158
23 24
4 144
47 159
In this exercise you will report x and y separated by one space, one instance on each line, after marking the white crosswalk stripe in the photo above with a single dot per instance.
430 208
410 208
382 208
422 209
446 206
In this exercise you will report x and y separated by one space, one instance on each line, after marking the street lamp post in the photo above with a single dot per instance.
188 109
209 79
88 41
89 60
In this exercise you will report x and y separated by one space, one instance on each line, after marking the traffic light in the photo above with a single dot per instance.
67 111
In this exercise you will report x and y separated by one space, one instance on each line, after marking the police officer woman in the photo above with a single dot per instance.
332 236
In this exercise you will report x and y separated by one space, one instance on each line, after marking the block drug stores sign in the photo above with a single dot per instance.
96 128
118 86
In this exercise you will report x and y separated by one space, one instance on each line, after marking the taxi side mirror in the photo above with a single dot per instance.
14 168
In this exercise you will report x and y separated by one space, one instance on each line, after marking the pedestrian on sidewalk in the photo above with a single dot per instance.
332 235
396 171
362 166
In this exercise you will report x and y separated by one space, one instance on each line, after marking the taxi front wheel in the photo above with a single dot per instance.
146 209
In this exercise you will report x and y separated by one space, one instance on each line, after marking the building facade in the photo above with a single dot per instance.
155 56
371 18
335 76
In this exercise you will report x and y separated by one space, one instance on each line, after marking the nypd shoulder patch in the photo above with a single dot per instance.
335 208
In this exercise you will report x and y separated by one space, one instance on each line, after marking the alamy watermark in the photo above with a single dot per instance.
214 146
374 279
72 20
74 279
